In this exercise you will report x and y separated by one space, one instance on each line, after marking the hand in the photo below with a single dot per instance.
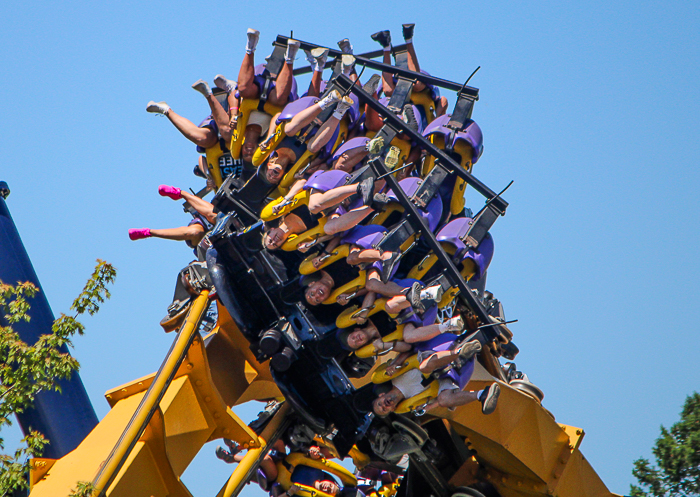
391 370
361 318
316 261
315 453
277 208
378 345
293 490
343 298
304 247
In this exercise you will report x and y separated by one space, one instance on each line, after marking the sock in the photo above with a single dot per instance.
410 40
387 49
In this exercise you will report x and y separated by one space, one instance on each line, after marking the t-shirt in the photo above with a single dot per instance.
341 272
409 383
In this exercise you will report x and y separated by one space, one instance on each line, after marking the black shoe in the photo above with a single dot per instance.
413 297
389 265
468 349
224 455
409 117
372 85
380 201
408 31
489 398
383 38
365 189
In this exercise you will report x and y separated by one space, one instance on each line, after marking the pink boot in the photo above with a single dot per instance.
140 233
170 191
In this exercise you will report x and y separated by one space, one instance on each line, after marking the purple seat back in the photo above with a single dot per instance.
471 134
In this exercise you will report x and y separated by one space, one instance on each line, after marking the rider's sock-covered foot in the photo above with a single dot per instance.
139 233
170 191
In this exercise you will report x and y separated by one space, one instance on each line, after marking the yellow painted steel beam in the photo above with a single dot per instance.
150 401
245 469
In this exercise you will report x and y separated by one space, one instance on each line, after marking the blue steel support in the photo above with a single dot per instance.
63 418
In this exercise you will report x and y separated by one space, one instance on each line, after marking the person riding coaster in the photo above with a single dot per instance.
443 356
299 223
307 477
299 137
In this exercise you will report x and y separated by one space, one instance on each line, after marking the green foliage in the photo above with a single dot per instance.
82 489
677 454
25 369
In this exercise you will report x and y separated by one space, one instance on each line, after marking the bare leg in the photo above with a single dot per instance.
348 160
246 78
388 289
387 78
319 201
414 66
301 119
200 205
221 117
323 135
414 335
397 304
438 360
373 121
283 86
315 85
269 468
204 137
455 398
194 233
347 220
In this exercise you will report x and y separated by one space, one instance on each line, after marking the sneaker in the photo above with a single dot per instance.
489 398
170 191
408 32
292 48
413 296
233 446
224 455
310 58
383 38
455 324
375 145
319 55
469 349
372 85
389 265
345 103
345 46
431 294
225 84
409 117
202 87
380 201
252 40
333 97
158 108
365 189
347 62
140 233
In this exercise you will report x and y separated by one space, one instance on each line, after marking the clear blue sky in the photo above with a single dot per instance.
591 107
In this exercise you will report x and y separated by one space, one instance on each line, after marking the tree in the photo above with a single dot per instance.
25 369
677 453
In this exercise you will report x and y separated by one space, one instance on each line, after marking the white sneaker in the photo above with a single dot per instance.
347 62
252 42
320 55
330 99
310 57
345 46
455 324
433 293
158 108
202 87
225 84
343 106
292 48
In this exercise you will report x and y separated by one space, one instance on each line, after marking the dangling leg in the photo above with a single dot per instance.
413 64
306 116
246 76
347 220
221 117
283 84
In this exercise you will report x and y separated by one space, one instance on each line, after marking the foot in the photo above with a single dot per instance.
202 87
343 106
431 295
225 84
365 189
468 350
347 62
233 446
320 55
140 233
170 191
408 32
375 145
455 324
310 57
413 296
383 38
345 46
158 108
224 455
389 265
380 201
372 85
489 398
409 117
333 97
252 41
292 48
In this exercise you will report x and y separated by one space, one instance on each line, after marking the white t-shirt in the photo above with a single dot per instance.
409 383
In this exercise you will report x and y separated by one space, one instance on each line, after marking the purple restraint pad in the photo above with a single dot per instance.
454 231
